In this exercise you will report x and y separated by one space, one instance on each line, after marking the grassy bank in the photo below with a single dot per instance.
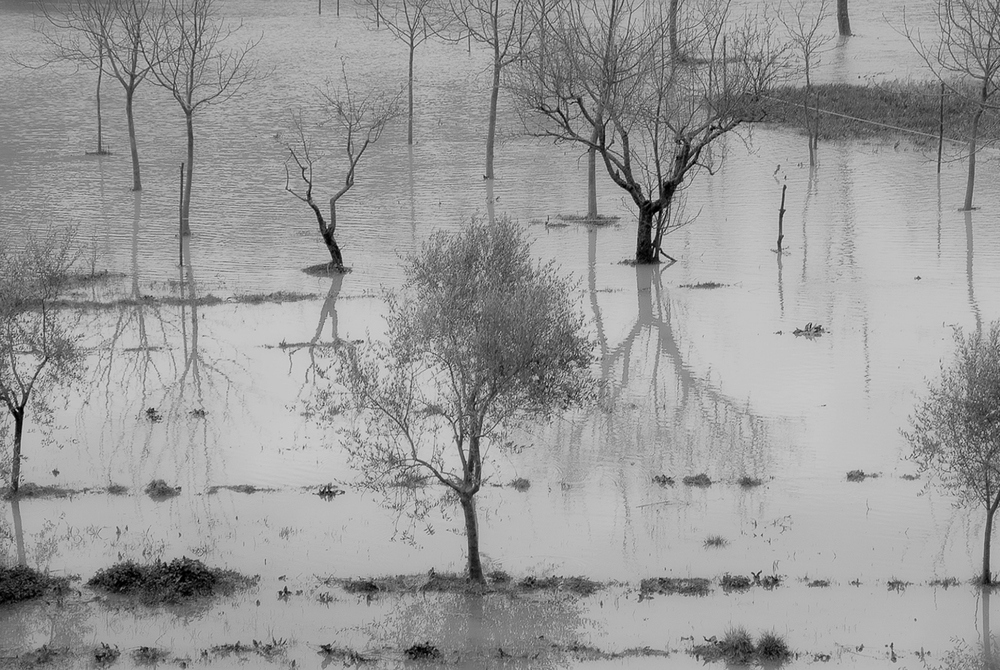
895 109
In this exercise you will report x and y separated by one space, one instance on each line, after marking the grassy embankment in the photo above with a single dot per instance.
910 105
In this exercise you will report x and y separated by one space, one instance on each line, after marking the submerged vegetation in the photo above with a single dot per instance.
737 648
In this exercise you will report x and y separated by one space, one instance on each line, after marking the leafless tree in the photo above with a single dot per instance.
409 21
487 338
617 88
39 349
189 55
965 54
359 120
807 45
504 27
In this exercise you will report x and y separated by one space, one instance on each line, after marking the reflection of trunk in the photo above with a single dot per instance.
987 637
186 201
15 472
973 305
472 535
329 310
987 537
100 76
15 511
409 87
843 19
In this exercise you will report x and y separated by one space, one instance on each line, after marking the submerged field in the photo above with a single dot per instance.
204 377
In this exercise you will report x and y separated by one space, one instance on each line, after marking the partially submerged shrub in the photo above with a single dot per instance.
160 490
687 586
701 480
23 583
181 579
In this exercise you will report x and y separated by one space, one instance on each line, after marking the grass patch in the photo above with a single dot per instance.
237 488
22 583
521 484
42 656
158 583
663 480
704 285
347 657
149 656
897 585
685 586
737 648
735 582
160 490
116 489
700 480
748 482
772 648
422 651
32 490
715 541
945 583
910 478
497 581
913 105
106 654
581 586
598 220
818 583
860 475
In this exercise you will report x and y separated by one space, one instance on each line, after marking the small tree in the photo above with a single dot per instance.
807 44
485 338
955 429
188 56
967 51
38 349
360 119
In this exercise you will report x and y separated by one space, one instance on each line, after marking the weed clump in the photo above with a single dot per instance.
106 654
748 482
23 583
772 648
704 285
897 585
735 582
578 585
148 656
521 484
422 651
346 656
685 586
945 583
663 480
700 480
181 579
715 542
116 489
160 490
860 475
818 583
737 648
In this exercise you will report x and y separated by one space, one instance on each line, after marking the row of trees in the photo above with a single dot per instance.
183 46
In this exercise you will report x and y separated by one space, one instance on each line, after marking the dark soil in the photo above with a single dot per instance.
686 586
181 579
23 583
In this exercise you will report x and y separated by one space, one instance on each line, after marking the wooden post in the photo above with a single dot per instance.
941 129
180 216
321 7
781 217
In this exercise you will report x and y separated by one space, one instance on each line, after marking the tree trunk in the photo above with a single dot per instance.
186 202
987 578
133 145
672 18
492 132
15 511
971 183
592 183
472 535
100 123
409 85
843 20
327 231
15 466
644 249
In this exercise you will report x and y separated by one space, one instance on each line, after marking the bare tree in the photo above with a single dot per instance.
38 348
504 27
484 339
359 119
617 88
807 43
188 55
409 22
967 52
955 429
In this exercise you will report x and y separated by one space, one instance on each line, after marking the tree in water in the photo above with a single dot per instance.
843 19
955 429
617 88
807 45
38 349
485 339
361 119
966 56
188 56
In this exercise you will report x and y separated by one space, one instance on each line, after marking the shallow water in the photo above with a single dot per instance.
699 380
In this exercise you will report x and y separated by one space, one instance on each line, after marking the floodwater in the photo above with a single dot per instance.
698 380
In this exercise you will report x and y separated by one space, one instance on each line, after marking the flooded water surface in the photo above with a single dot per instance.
700 369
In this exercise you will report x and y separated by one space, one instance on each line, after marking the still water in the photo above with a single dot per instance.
700 380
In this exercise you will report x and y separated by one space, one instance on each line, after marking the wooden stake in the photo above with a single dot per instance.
781 217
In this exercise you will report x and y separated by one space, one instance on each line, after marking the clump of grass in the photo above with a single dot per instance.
153 415
521 484
860 475
578 585
663 480
23 583
715 541
160 490
422 651
700 480
148 656
685 586
910 478
348 657
106 654
735 582
116 489
897 585
498 577
769 581
818 583
704 285
945 583
772 648
748 482
32 490
181 579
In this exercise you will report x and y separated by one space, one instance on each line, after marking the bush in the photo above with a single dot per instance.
181 579
772 648
22 583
